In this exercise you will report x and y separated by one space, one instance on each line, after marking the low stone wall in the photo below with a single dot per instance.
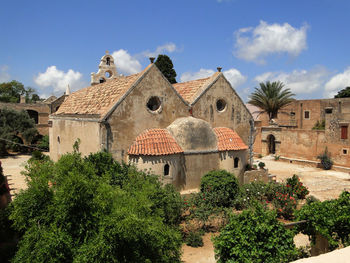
256 175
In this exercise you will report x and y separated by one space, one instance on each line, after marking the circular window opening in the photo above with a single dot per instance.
221 105
108 74
153 103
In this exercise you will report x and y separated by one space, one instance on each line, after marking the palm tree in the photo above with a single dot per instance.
271 97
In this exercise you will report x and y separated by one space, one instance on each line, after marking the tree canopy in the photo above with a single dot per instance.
13 90
344 93
14 126
94 209
271 97
165 65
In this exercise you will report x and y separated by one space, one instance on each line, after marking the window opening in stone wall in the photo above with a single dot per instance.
221 105
108 61
233 114
153 103
34 115
58 139
166 169
306 114
328 110
108 74
236 162
345 151
292 113
344 132
102 80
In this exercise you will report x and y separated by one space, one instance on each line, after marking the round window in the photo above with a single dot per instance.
153 103
108 74
221 105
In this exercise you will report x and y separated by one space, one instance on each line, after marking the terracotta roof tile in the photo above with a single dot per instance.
189 90
100 98
229 140
154 142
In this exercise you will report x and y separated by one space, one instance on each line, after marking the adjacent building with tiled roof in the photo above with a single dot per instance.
178 131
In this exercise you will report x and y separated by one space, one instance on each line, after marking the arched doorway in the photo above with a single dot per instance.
271 144
34 115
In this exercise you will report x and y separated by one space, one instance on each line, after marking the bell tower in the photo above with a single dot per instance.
106 70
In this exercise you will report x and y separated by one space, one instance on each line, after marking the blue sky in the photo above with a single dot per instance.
49 44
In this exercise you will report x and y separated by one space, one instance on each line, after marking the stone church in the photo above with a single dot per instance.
178 131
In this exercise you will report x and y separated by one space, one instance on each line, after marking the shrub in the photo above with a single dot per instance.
296 187
311 199
260 155
255 236
285 205
194 239
261 165
320 125
219 188
44 143
277 157
326 160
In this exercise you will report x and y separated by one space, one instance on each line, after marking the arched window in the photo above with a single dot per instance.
108 61
236 162
166 169
102 80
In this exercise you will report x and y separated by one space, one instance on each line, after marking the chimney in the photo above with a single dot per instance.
219 69
152 59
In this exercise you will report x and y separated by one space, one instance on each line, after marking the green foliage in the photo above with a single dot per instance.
344 93
14 124
296 188
44 143
326 160
311 199
285 205
95 210
329 218
12 91
255 236
320 125
194 239
165 65
219 188
277 157
8 243
271 97
261 165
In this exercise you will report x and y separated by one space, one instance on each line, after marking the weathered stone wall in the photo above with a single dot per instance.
235 115
227 162
155 165
261 175
133 117
65 132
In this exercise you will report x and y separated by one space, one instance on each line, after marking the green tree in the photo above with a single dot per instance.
344 93
255 236
165 65
94 209
14 124
13 90
271 97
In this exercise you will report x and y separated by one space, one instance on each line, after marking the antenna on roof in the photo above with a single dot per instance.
152 59
219 69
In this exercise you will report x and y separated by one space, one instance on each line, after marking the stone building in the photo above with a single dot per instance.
295 133
179 131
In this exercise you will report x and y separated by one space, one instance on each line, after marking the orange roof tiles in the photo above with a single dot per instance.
189 90
100 98
154 142
229 140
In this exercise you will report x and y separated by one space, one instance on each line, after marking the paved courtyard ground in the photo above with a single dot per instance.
322 184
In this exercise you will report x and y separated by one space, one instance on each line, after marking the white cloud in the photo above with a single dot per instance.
233 75
299 81
254 44
337 83
169 47
125 63
58 79
4 75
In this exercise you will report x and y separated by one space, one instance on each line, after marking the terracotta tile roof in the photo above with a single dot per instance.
100 98
189 90
154 142
229 140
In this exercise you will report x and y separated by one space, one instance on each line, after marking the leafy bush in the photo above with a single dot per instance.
329 218
311 199
219 188
285 205
326 160
261 165
277 157
255 236
194 239
86 215
320 125
44 143
296 187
